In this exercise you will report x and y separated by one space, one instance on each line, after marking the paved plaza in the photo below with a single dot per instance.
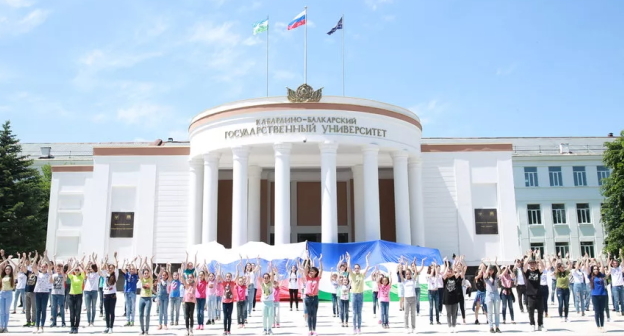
292 323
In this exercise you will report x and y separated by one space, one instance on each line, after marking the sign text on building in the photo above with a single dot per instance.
307 125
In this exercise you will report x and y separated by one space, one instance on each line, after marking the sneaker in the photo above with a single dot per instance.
541 328
492 330
498 330
105 331
407 331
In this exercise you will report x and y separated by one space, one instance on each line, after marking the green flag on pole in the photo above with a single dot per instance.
261 27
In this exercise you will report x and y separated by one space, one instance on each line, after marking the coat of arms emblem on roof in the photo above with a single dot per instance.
304 94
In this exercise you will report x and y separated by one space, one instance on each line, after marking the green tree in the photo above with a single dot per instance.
613 190
23 203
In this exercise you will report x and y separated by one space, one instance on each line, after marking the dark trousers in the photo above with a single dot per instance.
335 309
227 315
41 304
544 296
600 303
375 302
507 301
240 312
535 302
101 294
109 302
440 296
311 303
254 298
293 293
563 296
344 311
75 307
461 308
522 298
189 309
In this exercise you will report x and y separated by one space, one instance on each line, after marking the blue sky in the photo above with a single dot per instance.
117 70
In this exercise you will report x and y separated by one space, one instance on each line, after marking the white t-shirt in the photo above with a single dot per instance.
267 292
21 280
519 277
345 291
251 278
92 282
408 285
58 284
440 281
293 280
616 276
544 279
432 283
550 273
109 289
578 276
43 283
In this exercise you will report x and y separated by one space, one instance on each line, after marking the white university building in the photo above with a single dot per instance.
333 169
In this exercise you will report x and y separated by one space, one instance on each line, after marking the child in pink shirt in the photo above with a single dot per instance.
276 303
241 300
384 299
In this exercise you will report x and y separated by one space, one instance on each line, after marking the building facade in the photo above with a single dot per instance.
336 170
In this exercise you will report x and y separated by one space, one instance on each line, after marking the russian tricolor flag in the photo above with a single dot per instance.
299 20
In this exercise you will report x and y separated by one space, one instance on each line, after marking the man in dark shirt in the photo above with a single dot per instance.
532 276
29 303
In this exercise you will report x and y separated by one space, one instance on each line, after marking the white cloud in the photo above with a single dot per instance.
33 103
375 4
505 71
388 18
109 59
145 114
253 40
17 3
429 112
16 23
221 34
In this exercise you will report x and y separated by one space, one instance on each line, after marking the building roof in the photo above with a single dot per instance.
522 146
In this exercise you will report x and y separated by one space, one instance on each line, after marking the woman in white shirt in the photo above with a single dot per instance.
109 291
293 287
90 292
42 292
20 288
579 287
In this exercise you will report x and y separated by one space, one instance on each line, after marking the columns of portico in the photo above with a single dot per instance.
196 174
240 157
401 198
282 193
417 220
329 209
210 197
358 203
253 219
371 193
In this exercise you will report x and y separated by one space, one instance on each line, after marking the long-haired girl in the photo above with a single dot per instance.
162 293
145 303
492 296
175 298
266 297
229 288
599 296
432 287
6 292
201 297
384 284
110 273
312 277
190 287
211 298
42 291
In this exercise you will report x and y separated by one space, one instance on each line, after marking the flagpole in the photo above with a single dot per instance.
305 48
267 57
343 56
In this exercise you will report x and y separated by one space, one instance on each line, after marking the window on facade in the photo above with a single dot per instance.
603 173
583 213
539 247
580 177
272 239
530 177
559 214
562 249
556 179
343 237
587 248
534 213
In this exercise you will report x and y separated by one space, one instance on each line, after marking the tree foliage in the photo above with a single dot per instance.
23 198
613 190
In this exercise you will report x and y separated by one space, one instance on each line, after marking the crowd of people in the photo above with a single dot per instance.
38 282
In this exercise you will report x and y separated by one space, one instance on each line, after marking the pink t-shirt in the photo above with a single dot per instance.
384 293
312 286
276 291
189 293
241 293
211 288
201 289
219 289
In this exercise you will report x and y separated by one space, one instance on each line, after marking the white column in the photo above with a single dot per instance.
282 193
329 190
253 207
371 193
211 189
196 176
239 195
401 198
417 221
358 203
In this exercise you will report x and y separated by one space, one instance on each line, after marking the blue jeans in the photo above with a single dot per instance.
579 297
90 298
344 311
358 299
163 303
201 304
130 306
175 309
563 296
507 300
553 290
251 297
385 306
145 308
41 302
335 309
618 298
212 307
600 303
218 308
5 306
19 293
311 304
417 290
58 304
375 302
493 301
433 304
